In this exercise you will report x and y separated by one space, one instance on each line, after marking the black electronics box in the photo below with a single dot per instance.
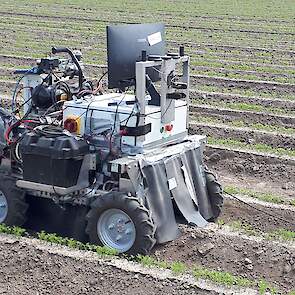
54 161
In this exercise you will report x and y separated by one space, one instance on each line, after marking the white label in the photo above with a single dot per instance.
154 38
172 183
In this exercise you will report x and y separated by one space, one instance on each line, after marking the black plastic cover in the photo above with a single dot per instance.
53 160
61 147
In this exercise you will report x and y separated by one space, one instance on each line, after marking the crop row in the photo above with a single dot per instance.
198 35
188 10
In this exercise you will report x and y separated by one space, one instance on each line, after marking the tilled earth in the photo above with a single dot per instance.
223 250
249 41
26 269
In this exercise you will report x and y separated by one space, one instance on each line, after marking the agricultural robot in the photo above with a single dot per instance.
116 168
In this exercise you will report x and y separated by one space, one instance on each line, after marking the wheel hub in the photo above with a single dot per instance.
116 230
3 207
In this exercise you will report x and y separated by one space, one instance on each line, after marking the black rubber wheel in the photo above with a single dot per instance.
215 193
13 198
121 222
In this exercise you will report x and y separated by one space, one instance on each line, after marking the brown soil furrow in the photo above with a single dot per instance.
23 60
93 70
220 81
235 98
246 135
264 167
223 70
229 251
243 57
240 83
246 116
6 87
254 65
261 186
268 76
262 219
30 267
242 48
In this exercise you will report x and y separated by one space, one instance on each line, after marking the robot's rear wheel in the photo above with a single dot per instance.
13 206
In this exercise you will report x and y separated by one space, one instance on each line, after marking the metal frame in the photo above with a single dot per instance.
166 67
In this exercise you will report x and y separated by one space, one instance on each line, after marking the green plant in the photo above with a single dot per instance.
246 228
264 286
12 230
264 148
146 260
282 234
178 267
220 277
55 239
266 197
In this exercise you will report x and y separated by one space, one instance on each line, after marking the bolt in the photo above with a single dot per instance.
118 238
2 205
111 226
128 231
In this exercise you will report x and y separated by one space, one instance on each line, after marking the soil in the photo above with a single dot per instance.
244 84
245 116
244 256
235 98
255 184
27 269
260 219
268 169
246 135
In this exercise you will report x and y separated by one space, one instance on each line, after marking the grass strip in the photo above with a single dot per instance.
266 197
280 234
257 147
242 124
220 277
241 106
262 93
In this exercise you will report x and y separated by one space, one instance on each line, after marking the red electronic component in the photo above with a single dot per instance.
168 127
71 125
123 132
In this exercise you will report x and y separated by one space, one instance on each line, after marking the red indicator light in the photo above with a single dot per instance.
71 125
123 132
168 127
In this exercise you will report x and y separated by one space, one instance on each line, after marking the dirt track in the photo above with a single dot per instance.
33 267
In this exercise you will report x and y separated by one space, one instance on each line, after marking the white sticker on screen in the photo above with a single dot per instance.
154 38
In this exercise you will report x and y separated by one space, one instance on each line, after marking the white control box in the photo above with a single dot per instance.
112 112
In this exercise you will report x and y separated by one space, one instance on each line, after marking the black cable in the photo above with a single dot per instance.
115 121
257 209
52 106
85 121
38 88
49 130
99 80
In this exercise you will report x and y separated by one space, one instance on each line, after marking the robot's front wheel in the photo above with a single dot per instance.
121 222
